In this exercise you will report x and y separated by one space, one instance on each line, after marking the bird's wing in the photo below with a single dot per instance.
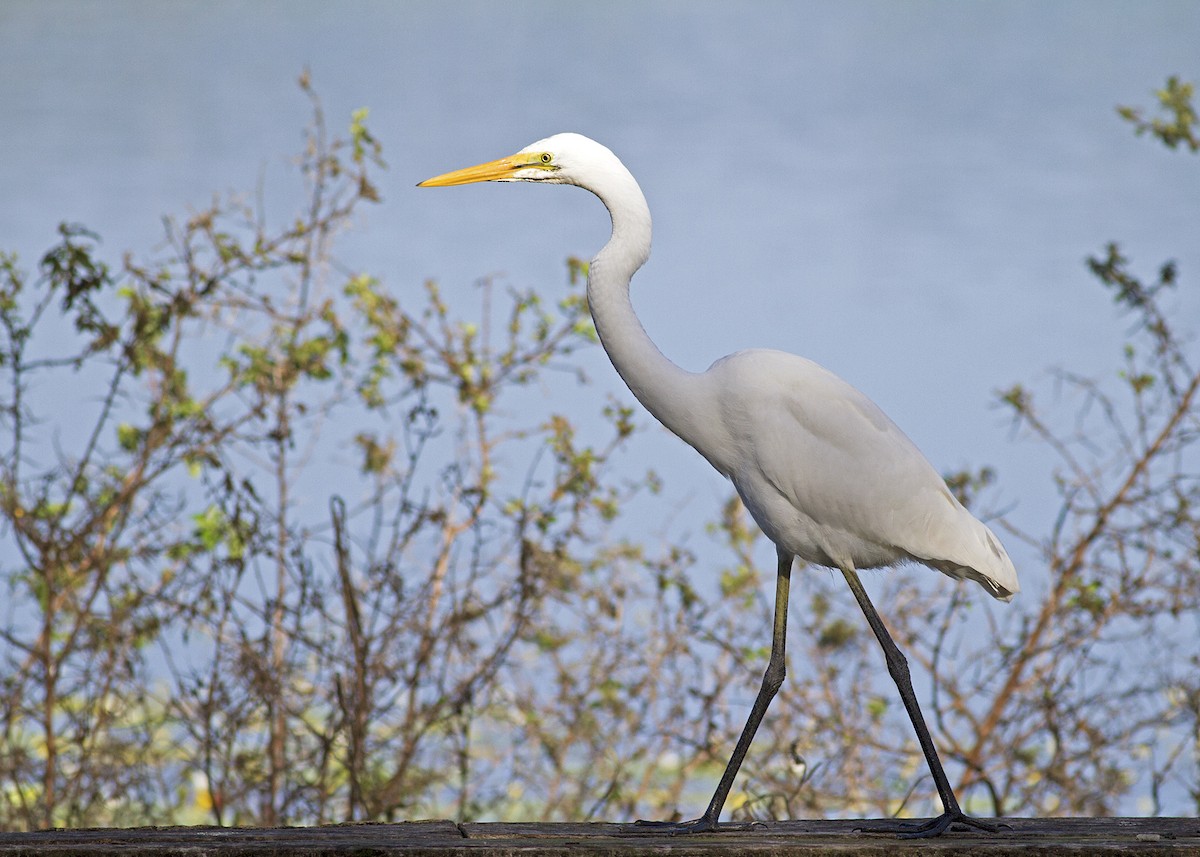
859 471
835 457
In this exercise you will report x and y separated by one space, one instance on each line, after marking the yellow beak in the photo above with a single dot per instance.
492 171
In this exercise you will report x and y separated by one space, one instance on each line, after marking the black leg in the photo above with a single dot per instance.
898 668
772 679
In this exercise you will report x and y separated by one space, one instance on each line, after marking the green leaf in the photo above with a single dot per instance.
129 437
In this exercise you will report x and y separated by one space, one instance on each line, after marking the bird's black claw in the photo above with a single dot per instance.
679 828
934 826
944 822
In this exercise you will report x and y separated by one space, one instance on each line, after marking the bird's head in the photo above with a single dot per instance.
573 159
561 159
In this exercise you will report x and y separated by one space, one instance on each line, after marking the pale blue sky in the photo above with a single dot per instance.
904 192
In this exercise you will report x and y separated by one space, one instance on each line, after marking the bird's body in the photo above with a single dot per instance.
823 471
811 501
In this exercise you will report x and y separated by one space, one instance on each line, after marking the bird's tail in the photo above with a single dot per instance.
981 558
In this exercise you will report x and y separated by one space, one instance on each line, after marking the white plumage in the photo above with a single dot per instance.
823 471
830 478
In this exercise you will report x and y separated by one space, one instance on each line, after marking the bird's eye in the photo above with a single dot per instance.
547 157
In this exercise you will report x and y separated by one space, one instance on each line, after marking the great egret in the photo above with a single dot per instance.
823 471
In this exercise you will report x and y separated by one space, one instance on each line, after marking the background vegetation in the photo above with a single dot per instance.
283 543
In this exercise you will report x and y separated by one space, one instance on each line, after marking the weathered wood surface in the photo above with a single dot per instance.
1022 837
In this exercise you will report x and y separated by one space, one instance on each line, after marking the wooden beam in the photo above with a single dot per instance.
1022 837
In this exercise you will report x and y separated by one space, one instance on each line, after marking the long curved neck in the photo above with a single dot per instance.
667 391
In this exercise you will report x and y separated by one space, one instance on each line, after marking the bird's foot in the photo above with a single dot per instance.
936 826
703 824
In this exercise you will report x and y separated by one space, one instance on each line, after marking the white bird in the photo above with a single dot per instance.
823 471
